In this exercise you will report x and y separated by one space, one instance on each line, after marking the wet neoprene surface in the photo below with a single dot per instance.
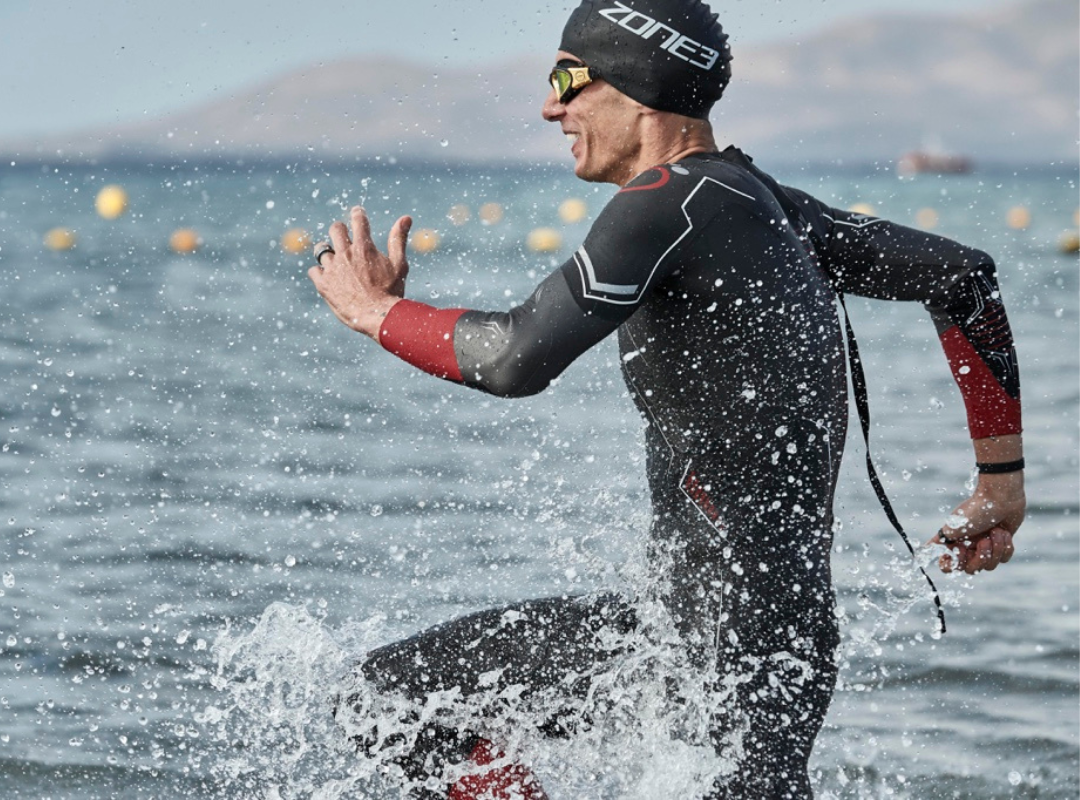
721 285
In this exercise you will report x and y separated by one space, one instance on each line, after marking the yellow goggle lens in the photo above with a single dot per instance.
568 81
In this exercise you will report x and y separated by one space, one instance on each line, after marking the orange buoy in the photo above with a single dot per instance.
491 213
59 239
184 241
111 201
459 214
544 240
573 210
926 218
295 240
1018 218
424 240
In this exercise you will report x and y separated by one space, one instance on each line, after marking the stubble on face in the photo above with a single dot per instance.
609 144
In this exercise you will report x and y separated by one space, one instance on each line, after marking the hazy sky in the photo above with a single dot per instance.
89 63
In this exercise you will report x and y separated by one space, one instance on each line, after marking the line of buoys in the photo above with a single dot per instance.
111 202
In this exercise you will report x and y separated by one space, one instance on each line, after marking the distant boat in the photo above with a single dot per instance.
920 161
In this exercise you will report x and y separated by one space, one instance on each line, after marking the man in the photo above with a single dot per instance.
722 287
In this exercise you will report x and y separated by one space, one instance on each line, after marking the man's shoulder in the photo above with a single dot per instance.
679 182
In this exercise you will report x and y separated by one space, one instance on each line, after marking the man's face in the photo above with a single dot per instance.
601 125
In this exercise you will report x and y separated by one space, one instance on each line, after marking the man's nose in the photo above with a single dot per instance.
552 109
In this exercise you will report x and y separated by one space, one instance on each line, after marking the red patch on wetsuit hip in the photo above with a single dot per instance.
700 498
510 782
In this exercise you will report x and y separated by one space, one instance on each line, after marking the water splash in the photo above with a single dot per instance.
273 727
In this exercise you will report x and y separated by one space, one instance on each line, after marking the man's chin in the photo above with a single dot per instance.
583 173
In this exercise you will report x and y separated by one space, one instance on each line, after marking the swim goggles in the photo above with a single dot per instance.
568 78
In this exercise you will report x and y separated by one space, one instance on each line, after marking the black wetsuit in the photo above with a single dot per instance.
721 285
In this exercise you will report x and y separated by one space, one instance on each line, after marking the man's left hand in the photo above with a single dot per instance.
981 529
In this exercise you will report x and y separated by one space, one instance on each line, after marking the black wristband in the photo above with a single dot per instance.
1001 467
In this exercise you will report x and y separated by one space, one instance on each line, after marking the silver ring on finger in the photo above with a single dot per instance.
322 251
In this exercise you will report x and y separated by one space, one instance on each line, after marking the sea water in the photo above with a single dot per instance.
214 497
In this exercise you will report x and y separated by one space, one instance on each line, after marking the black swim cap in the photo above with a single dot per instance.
671 55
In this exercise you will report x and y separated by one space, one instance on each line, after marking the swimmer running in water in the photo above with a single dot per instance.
721 286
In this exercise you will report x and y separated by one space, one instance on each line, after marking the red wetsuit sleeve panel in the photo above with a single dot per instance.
991 411
423 336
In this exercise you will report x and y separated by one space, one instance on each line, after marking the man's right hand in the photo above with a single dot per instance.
357 281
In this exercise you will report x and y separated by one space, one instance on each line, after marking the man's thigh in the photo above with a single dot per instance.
533 645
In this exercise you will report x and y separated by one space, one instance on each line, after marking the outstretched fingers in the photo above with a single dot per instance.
361 228
398 241
339 237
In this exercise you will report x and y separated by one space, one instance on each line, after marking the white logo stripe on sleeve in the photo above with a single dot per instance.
860 220
627 294
588 275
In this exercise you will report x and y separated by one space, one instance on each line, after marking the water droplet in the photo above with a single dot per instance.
1015 778
444 143
376 510
9 580
290 561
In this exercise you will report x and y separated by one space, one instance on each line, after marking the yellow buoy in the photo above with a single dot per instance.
544 240
491 213
926 218
295 240
572 210
459 214
862 208
184 241
1018 218
111 202
424 240
1070 243
60 239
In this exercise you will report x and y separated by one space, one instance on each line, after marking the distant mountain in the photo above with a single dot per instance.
999 85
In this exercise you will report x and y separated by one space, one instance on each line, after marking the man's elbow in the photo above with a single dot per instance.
514 383
515 375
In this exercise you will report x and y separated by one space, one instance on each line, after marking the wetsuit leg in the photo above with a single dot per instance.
745 560
780 702
538 654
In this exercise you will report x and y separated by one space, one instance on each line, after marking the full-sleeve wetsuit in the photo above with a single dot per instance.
721 285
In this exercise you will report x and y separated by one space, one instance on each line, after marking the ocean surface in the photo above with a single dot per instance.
213 496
